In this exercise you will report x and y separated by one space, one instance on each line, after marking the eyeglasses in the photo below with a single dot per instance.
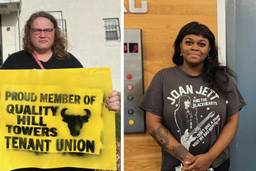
38 31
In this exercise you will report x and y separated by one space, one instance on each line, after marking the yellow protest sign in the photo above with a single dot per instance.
31 110
56 118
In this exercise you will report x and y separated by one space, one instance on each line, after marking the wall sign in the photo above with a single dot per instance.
133 9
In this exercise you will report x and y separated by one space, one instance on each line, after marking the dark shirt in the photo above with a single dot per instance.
24 60
192 111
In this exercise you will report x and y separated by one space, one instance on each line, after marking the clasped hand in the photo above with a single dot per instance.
199 162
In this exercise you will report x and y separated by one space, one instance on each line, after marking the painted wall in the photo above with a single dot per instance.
160 26
85 30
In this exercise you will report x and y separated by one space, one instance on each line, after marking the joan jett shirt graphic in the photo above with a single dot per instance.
195 114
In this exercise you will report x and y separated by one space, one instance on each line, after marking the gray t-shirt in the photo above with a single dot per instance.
193 112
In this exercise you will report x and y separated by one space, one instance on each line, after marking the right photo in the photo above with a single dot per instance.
187 93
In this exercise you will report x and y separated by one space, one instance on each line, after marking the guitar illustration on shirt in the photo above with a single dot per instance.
188 137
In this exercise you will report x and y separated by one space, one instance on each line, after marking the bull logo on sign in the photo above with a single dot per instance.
75 122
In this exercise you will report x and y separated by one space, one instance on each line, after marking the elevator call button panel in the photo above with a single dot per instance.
134 117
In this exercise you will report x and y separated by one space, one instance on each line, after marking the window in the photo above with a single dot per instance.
112 29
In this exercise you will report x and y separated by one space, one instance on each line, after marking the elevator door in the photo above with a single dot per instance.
241 56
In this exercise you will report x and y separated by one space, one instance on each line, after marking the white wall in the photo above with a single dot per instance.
85 30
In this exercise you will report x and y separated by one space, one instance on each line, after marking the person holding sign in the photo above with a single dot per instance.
45 48
193 108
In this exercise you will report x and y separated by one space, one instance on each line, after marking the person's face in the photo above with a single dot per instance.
194 49
187 104
42 34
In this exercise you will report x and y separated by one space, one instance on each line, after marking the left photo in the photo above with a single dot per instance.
60 89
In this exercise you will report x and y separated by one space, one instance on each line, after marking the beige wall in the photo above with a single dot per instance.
160 26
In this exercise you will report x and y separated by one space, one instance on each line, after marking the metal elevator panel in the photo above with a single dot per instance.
134 117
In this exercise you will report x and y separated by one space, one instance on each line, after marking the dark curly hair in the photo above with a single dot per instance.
60 44
214 74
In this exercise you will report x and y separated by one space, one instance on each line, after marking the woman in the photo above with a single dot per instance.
45 48
213 96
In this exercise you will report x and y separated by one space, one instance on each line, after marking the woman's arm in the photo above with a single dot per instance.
166 140
203 161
